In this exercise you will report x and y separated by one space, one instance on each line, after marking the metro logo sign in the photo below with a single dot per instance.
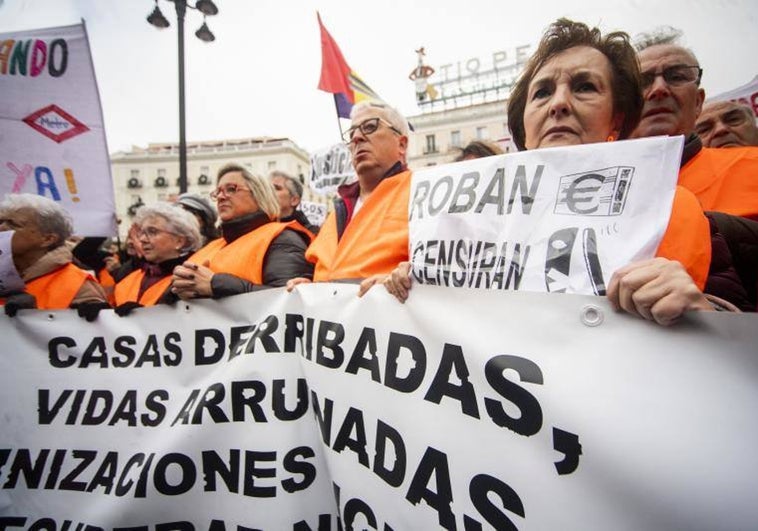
55 123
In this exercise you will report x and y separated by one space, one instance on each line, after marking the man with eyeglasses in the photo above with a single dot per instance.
723 180
367 234
724 124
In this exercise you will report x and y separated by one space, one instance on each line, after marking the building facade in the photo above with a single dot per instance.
439 136
146 175
462 101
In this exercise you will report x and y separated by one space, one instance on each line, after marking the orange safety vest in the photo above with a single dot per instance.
724 179
108 283
57 289
244 256
127 290
688 236
375 240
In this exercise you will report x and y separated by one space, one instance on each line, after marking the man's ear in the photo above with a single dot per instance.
700 100
403 145
50 240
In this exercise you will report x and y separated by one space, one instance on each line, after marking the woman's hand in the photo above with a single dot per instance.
291 283
112 263
191 281
398 283
370 282
658 290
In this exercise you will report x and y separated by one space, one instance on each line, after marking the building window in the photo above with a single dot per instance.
271 165
134 174
481 133
431 144
455 138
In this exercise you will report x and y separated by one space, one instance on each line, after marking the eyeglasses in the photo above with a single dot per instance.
228 190
674 76
152 232
367 127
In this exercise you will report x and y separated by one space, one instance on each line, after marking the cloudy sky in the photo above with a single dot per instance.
259 77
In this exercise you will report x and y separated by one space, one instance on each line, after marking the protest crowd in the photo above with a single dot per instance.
580 90
579 87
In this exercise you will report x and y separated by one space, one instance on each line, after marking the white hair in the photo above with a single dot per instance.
388 112
179 221
51 217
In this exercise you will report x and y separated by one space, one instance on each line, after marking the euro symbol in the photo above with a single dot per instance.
576 194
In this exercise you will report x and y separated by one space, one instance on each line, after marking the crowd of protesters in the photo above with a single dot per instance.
579 87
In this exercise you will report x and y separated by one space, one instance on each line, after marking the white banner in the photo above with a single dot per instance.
557 220
746 94
53 141
531 411
331 167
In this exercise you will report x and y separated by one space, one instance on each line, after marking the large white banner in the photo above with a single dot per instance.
556 220
53 140
331 167
460 409
746 94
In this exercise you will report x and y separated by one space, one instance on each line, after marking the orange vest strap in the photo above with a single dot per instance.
688 237
724 180
57 289
128 289
375 240
244 257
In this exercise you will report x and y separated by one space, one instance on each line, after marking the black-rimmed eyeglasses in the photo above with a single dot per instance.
674 76
367 127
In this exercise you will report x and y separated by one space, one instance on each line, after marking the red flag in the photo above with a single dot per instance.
335 73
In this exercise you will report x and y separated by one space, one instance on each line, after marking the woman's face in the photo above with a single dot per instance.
158 242
570 100
233 197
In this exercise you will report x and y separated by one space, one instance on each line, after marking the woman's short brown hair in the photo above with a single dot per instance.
564 34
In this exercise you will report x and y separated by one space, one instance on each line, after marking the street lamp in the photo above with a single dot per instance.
156 18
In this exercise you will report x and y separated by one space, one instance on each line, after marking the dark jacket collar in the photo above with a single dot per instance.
234 228
692 147
164 268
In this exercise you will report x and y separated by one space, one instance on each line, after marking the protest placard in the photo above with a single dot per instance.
53 141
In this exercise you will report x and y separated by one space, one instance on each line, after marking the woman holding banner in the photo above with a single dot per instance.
167 235
254 250
581 87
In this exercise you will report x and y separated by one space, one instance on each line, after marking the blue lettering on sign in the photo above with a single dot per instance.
53 122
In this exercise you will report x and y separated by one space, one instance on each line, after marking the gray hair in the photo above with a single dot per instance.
51 217
388 112
294 186
179 221
662 36
262 189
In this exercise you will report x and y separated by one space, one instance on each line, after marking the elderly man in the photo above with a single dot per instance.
43 260
723 180
367 234
289 192
727 124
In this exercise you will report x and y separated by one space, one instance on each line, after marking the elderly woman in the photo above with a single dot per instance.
254 251
41 227
167 235
582 87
